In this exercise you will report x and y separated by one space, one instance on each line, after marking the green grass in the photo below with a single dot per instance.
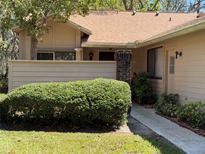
25 142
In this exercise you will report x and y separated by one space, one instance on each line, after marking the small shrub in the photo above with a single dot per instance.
142 89
93 102
193 114
3 85
167 104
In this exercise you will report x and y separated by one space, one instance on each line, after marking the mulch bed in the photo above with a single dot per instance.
185 125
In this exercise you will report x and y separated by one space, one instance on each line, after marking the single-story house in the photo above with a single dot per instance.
169 46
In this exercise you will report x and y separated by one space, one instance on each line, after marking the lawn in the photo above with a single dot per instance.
41 142
31 142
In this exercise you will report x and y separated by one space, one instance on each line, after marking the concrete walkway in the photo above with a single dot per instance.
185 139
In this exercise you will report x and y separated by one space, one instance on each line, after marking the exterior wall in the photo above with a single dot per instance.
60 36
24 46
189 77
139 64
24 72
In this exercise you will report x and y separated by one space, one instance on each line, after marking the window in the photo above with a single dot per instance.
155 63
65 56
45 56
56 55
171 65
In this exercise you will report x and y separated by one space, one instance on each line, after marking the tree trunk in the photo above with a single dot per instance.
131 5
125 4
198 6
34 43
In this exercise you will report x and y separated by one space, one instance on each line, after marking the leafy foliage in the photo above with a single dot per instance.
95 102
182 5
33 15
167 104
3 85
142 89
193 114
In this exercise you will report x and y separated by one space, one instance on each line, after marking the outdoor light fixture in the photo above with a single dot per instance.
178 54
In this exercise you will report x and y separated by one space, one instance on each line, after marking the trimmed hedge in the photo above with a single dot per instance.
92 102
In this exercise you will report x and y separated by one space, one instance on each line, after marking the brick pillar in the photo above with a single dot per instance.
124 65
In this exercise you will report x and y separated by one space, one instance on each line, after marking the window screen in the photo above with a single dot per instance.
172 65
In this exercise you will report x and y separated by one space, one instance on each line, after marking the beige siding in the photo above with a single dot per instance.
189 77
139 64
60 35
24 46
24 72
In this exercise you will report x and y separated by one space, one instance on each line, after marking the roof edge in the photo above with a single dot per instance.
79 27
71 23
172 34
108 45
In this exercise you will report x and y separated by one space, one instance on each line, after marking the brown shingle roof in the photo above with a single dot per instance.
122 27
186 28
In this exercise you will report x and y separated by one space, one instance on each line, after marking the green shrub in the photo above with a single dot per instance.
92 102
3 85
193 114
167 104
142 89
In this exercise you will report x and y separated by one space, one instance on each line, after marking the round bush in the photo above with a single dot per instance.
99 101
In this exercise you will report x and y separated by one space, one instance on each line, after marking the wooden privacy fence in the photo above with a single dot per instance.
23 72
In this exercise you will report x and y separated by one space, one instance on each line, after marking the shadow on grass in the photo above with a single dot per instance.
156 140
54 127
135 127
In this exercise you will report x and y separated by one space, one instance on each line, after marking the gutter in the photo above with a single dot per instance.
182 30
109 45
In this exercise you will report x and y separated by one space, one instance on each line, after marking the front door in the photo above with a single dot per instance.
107 56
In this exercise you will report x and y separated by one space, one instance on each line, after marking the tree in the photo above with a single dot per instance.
127 5
108 5
8 42
141 5
196 6
182 5
33 15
